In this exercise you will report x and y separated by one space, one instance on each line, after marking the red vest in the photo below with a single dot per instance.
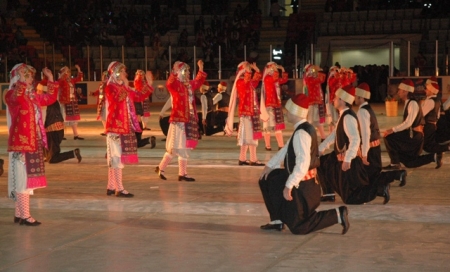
23 131
180 96
118 119
271 90
64 88
246 93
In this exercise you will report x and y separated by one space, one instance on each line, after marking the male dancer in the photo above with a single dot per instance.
221 100
121 125
68 99
292 194
271 111
249 115
404 142
182 136
342 170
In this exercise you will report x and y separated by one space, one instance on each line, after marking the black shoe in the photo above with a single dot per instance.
402 178
386 194
122 194
163 140
1 166
328 198
392 167
344 219
110 192
102 134
243 162
28 223
77 154
438 160
185 178
146 128
268 149
257 163
160 173
78 138
16 219
279 148
152 142
64 138
278 227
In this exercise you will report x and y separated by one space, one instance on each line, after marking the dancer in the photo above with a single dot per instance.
221 100
292 194
121 125
271 111
183 135
404 142
26 139
140 83
68 99
249 131
312 80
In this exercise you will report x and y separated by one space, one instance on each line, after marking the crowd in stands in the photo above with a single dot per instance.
430 7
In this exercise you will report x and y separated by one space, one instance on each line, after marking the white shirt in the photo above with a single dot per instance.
166 106
364 125
351 130
428 105
217 98
204 102
302 146
413 110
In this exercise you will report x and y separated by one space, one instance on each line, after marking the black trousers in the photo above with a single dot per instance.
443 128
374 169
430 144
300 214
353 185
141 142
404 149
164 125
54 154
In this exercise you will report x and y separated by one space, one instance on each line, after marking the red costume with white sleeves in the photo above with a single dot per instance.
27 138
271 111
183 134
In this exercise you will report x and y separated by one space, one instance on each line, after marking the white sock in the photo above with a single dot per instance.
274 222
338 216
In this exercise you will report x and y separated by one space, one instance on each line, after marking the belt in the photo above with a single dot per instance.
418 129
310 174
374 143
223 109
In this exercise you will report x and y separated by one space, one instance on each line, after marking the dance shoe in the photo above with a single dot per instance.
122 194
160 173
77 154
278 227
110 192
16 219
402 178
257 163
344 219
268 149
185 178
26 222
328 198
438 160
78 138
152 142
392 167
243 162
386 194
146 128
102 134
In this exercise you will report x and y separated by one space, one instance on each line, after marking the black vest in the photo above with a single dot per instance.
289 160
53 114
209 101
432 116
225 101
341 143
374 129
419 120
